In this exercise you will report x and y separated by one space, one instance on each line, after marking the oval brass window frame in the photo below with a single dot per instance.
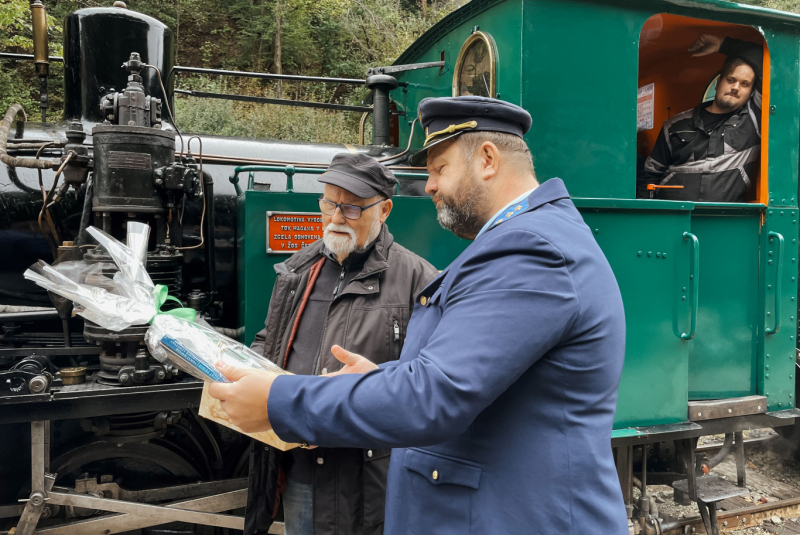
487 39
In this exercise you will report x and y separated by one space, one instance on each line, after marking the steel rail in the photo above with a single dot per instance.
266 75
722 516
9 55
279 101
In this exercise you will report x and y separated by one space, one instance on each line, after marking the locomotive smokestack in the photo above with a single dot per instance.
41 54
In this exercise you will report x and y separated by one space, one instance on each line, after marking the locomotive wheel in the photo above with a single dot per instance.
135 466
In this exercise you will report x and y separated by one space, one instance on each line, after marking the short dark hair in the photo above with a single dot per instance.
732 63
470 141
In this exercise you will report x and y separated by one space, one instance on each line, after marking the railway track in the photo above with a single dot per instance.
739 513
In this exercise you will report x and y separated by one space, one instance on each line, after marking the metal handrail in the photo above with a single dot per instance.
694 281
778 281
291 170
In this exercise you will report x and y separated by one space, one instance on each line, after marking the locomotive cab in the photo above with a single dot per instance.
672 80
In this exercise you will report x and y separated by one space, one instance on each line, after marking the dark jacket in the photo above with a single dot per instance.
712 165
369 316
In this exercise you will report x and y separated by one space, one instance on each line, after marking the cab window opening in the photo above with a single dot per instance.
703 87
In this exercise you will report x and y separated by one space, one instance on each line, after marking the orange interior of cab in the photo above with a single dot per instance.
680 80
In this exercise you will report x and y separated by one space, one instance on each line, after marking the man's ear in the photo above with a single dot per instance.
386 209
489 159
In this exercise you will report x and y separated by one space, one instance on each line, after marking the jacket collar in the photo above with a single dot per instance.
735 117
548 192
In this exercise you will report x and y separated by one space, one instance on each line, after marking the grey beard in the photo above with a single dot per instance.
461 214
342 246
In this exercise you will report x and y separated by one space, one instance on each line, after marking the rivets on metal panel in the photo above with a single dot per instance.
771 200
649 253
767 376
639 253
791 376
769 313
683 289
767 366
780 404
770 262
767 355
597 231
658 255
770 253
683 298
782 210
664 255
783 201
769 286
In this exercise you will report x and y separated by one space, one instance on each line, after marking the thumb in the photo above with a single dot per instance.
233 373
344 356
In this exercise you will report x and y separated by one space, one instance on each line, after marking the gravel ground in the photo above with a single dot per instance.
773 458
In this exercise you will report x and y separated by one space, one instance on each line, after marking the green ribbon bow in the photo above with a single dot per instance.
161 293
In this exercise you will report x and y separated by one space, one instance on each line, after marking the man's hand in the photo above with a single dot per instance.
245 398
706 44
352 363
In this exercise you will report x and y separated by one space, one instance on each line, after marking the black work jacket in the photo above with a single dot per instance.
369 317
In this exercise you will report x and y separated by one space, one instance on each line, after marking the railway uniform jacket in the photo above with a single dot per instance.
712 165
368 316
502 403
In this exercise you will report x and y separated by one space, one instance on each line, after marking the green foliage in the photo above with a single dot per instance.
782 5
340 38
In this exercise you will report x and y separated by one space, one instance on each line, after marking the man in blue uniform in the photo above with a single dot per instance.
501 404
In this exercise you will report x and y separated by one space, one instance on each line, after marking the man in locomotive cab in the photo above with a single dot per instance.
355 288
709 153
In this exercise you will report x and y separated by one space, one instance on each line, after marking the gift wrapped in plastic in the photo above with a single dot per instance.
195 348
129 298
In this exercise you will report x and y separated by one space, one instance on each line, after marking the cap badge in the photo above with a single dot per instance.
450 130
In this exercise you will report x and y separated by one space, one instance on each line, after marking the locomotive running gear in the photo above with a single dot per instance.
713 158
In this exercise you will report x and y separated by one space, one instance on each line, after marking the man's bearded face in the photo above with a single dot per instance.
460 212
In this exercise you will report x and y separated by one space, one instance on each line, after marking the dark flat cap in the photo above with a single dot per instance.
361 175
447 117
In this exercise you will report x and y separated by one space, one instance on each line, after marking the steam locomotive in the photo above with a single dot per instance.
710 289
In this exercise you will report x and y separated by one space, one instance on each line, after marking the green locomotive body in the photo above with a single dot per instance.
707 318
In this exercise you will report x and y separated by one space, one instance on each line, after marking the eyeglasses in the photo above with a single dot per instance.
349 211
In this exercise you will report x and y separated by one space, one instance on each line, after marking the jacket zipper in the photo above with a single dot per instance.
396 339
338 287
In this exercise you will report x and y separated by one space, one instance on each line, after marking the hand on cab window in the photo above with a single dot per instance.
706 44
352 363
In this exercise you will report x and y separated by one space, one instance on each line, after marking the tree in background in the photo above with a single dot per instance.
339 38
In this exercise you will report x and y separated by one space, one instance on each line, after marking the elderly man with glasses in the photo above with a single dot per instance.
354 288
